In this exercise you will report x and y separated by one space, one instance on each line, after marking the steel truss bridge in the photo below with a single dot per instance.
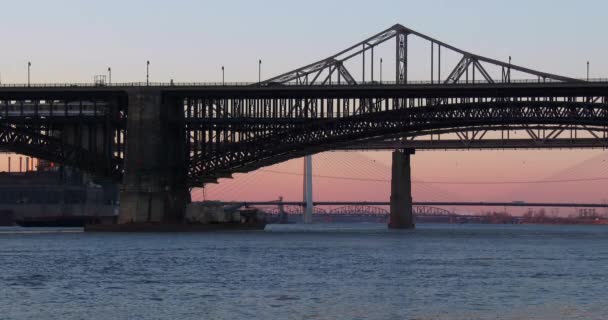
165 138
355 210
423 204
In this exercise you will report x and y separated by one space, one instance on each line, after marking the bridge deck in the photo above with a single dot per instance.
529 89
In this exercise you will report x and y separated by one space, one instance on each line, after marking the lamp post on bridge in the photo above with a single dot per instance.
509 69
148 73
109 75
29 66
587 71
260 71
222 75
380 70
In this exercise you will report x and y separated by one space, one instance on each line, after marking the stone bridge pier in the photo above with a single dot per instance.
401 212
154 186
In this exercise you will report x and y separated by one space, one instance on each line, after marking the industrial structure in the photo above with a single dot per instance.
55 195
160 140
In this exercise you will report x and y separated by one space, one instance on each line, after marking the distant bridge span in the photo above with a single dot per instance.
359 210
430 204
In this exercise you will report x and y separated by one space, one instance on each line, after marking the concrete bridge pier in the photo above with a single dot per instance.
401 216
154 186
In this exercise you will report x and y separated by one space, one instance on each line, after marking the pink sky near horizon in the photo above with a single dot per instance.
429 167
365 176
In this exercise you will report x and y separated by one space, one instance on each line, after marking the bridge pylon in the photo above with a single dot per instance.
155 186
401 211
307 190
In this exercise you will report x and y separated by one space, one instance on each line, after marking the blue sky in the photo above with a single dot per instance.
69 40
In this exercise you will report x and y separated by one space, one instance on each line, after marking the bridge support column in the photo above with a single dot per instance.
401 216
154 185
307 190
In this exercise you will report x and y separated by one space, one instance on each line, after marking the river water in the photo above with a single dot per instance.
434 272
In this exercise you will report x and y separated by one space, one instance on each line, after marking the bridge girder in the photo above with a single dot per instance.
293 210
32 143
327 134
357 210
84 130
428 211
220 136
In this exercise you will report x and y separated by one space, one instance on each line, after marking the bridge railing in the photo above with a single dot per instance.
245 84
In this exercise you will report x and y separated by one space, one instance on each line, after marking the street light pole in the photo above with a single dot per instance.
109 75
148 73
380 70
260 71
509 69
222 75
587 70
29 66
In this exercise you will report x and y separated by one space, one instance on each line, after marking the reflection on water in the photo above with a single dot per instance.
355 272
20 230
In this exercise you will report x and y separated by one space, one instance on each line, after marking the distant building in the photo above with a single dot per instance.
53 190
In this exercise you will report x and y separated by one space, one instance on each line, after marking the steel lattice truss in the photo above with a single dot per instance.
265 145
240 133
293 210
32 143
331 70
358 211
431 211
85 134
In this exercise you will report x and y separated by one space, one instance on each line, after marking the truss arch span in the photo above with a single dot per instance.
359 210
323 135
431 211
292 210
35 144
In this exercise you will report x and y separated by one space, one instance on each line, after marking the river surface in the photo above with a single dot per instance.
434 272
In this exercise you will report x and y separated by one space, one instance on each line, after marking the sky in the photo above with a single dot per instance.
189 41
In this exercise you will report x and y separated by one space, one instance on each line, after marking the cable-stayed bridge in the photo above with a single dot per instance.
162 139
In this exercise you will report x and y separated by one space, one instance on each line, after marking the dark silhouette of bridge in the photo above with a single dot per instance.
279 212
159 140
354 210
